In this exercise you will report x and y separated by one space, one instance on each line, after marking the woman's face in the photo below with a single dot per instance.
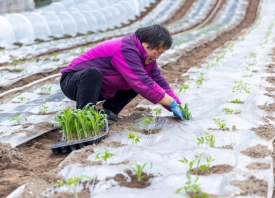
152 54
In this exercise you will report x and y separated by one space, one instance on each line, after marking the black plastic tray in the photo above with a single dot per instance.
64 147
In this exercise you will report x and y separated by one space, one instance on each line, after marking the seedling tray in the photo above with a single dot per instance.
64 147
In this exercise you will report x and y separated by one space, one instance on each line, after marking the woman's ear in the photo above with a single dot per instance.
144 44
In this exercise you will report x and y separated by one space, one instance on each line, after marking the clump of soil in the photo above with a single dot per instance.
258 151
268 108
252 186
38 127
226 129
266 131
227 147
270 89
270 79
134 183
153 131
12 158
217 169
258 166
241 102
234 128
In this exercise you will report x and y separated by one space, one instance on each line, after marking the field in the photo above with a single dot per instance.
221 64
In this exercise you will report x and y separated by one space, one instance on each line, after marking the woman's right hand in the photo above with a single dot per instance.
176 110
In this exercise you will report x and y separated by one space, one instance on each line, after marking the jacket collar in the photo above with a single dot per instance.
141 49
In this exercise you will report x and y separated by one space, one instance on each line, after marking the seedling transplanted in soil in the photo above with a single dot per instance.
139 168
221 124
23 99
46 90
236 101
239 86
208 139
192 189
185 110
43 108
148 121
73 182
184 87
134 138
55 56
18 118
104 156
231 111
79 124
199 81
247 76
3 73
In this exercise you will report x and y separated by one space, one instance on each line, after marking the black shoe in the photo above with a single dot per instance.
110 115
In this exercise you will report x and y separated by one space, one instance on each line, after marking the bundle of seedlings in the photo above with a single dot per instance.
81 123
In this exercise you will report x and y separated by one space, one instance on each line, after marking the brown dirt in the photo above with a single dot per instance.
41 126
270 79
268 108
31 160
258 166
266 131
252 186
134 183
258 151
217 169
234 128
227 147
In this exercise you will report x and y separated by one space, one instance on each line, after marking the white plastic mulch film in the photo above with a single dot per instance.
68 17
179 139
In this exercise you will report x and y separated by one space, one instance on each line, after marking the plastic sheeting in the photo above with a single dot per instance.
178 139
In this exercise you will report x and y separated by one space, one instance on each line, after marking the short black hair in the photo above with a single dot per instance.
155 35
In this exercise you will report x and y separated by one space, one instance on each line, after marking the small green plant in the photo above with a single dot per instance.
221 124
251 63
231 111
3 50
134 138
218 58
199 81
210 65
246 68
82 50
239 86
80 123
247 76
46 90
252 55
158 111
148 121
2 74
185 87
23 99
139 168
230 46
73 182
135 125
208 139
104 156
192 189
43 108
185 110
15 65
55 56
18 118
236 101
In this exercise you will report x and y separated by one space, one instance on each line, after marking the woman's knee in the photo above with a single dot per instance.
92 72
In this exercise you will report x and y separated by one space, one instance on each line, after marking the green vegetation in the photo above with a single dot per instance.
15 65
134 138
192 189
79 124
239 86
55 56
199 81
196 162
221 124
23 99
43 108
185 110
231 111
148 121
185 87
208 139
18 118
3 73
73 182
104 156
46 90
138 170
236 101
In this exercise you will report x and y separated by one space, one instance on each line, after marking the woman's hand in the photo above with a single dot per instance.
176 110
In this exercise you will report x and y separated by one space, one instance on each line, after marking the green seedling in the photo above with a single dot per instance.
192 189
2 74
247 76
239 86
185 110
104 156
210 65
230 46
139 168
55 56
23 99
218 58
15 65
134 138
208 139
3 50
246 68
73 182
251 63
43 108
236 101
185 87
46 90
231 111
149 122
199 81
82 50
80 123
18 118
158 111
221 124
135 125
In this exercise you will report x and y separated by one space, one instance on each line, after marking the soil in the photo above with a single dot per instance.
134 183
41 160
227 147
268 108
258 151
234 128
32 160
251 186
217 169
266 131
270 79
258 166
41 126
